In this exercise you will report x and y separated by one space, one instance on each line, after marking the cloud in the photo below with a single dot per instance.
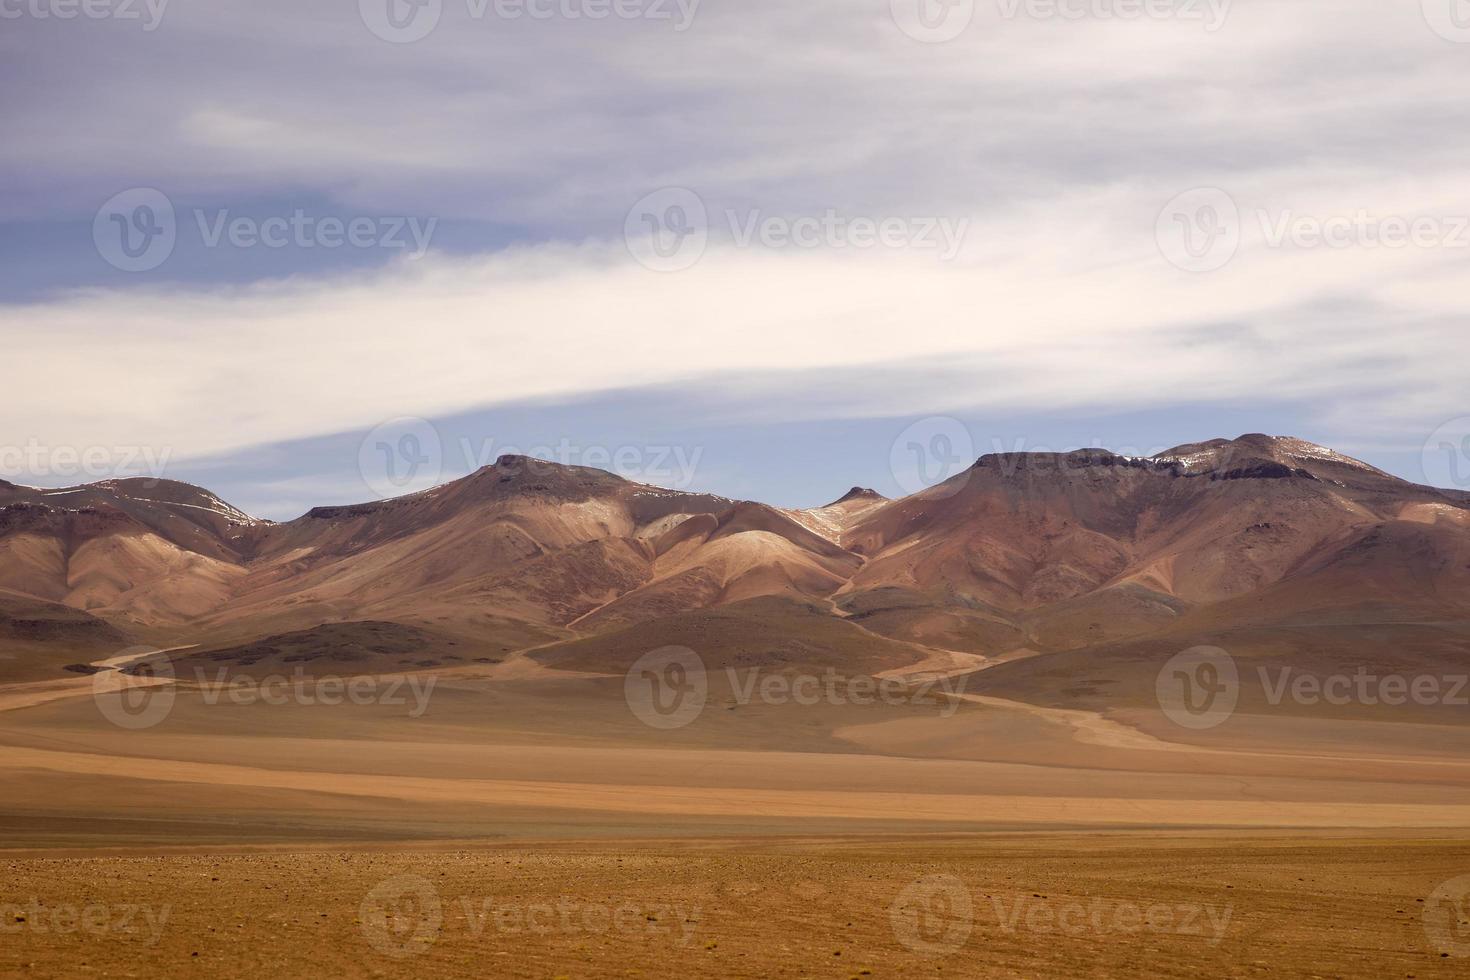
561 124
1037 311
1057 140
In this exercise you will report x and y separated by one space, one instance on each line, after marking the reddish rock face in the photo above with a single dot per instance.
1047 551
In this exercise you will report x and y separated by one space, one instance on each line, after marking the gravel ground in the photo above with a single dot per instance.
1043 906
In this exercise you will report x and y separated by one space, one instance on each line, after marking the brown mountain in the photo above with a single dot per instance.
1025 557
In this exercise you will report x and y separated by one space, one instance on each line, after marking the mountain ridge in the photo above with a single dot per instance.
1021 551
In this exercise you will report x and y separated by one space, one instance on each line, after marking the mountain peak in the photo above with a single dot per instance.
519 465
1222 455
1009 463
858 493
172 494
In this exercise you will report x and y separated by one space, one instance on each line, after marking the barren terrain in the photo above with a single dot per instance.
927 737
1053 906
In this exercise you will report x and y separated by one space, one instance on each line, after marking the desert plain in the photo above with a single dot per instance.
1202 713
527 823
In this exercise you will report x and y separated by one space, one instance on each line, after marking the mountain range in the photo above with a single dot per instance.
1056 567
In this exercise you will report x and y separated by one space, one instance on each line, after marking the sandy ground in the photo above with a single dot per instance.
513 753
516 821
756 802
1063 906
28 694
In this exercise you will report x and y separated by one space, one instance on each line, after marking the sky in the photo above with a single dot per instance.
306 252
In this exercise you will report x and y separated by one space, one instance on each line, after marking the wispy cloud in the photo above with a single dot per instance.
1056 142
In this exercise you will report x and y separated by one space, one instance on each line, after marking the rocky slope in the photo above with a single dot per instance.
1020 554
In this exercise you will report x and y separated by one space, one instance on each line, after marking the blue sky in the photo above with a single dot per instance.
669 438
771 237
